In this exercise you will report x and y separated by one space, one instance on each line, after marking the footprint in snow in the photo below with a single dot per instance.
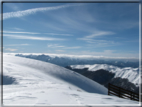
77 98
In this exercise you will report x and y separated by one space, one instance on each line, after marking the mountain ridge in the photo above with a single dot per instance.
65 60
127 77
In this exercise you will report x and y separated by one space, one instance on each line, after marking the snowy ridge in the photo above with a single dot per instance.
66 60
132 74
74 56
41 83
58 72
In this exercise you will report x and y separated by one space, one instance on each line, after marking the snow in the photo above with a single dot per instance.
132 74
41 83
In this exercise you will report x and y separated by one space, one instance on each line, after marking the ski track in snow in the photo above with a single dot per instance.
41 83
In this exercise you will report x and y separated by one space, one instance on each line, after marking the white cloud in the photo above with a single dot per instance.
55 46
76 47
58 34
63 47
20 32
32 37
10 49
102 43
96 34
17 45
107 53
32 11
60 50
95 42
17 32
99 33
17 28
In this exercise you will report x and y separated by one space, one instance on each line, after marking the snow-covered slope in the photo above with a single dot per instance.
40 83
132 74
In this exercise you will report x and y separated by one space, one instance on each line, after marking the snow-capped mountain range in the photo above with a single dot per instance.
33 82
66 60
132 74
128 77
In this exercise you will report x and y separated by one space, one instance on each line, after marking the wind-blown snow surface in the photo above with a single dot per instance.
132 74
40 83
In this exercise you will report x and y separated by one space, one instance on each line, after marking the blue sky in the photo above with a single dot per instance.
99 29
